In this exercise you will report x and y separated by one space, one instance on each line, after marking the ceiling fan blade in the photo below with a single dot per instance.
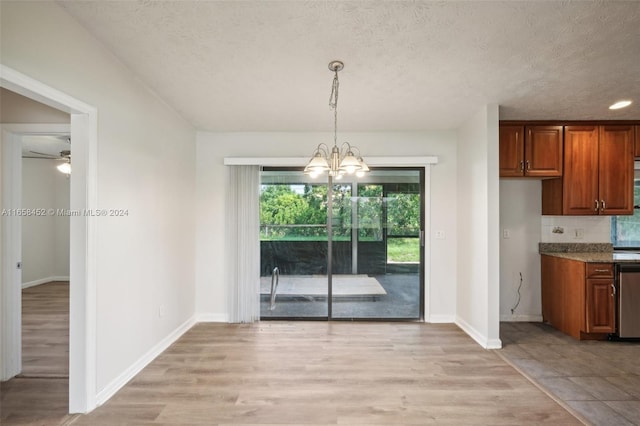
43 155
43 158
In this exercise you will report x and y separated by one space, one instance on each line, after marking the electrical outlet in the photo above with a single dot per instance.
439 235
506 233
579 233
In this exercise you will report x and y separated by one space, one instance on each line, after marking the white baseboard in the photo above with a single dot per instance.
202 317
440 319
477 336
43 281
116 384
520 318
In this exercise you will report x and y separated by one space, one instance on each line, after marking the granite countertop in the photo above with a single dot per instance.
588 252
588 257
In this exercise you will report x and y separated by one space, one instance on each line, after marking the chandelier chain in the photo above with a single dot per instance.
333 104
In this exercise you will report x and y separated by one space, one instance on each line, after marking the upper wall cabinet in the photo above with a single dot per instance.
532 151
598 173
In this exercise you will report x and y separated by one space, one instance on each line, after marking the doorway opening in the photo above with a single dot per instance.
82 395
343 249
45 256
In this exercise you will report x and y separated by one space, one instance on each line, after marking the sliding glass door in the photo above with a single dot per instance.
364 231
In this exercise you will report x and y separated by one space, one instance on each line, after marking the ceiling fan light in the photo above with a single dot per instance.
64 168
620 104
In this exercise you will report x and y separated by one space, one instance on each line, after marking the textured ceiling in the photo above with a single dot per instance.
262 65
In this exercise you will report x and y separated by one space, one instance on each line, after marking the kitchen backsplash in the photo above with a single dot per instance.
576 229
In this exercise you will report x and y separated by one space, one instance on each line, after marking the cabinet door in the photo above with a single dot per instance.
580 182
543 151
616 170
637 144
600 306
551 290
511 151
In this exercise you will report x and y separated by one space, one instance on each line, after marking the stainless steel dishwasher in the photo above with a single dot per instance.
628 292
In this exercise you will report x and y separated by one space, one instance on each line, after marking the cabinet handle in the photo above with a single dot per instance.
602 270
597 205
613 288
604 206
528 165
522 166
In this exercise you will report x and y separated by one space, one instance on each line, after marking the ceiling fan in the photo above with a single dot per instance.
65 155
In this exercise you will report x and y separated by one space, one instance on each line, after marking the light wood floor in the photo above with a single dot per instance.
45 330
40 394
315 373
326 374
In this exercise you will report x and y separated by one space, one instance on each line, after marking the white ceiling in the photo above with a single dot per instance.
409 65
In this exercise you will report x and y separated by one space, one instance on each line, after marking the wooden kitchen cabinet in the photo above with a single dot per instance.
598 173
600 298
637 144
563 296
531 151
577 297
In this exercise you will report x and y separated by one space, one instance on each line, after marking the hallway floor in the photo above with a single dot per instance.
39 395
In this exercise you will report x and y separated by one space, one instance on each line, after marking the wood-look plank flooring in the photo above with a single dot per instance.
40 394
45 330
321 373
317 373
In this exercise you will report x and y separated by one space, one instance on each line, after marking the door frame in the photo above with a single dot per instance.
83 242
11 248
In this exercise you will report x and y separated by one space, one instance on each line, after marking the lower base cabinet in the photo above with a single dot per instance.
578 298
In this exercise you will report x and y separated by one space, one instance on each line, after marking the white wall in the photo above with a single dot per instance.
15 108
211 178
478 287
146 155
45 238
61 223
520 209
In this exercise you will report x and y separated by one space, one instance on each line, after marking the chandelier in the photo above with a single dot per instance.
338 160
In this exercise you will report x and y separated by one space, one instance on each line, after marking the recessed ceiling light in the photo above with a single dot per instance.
620 104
